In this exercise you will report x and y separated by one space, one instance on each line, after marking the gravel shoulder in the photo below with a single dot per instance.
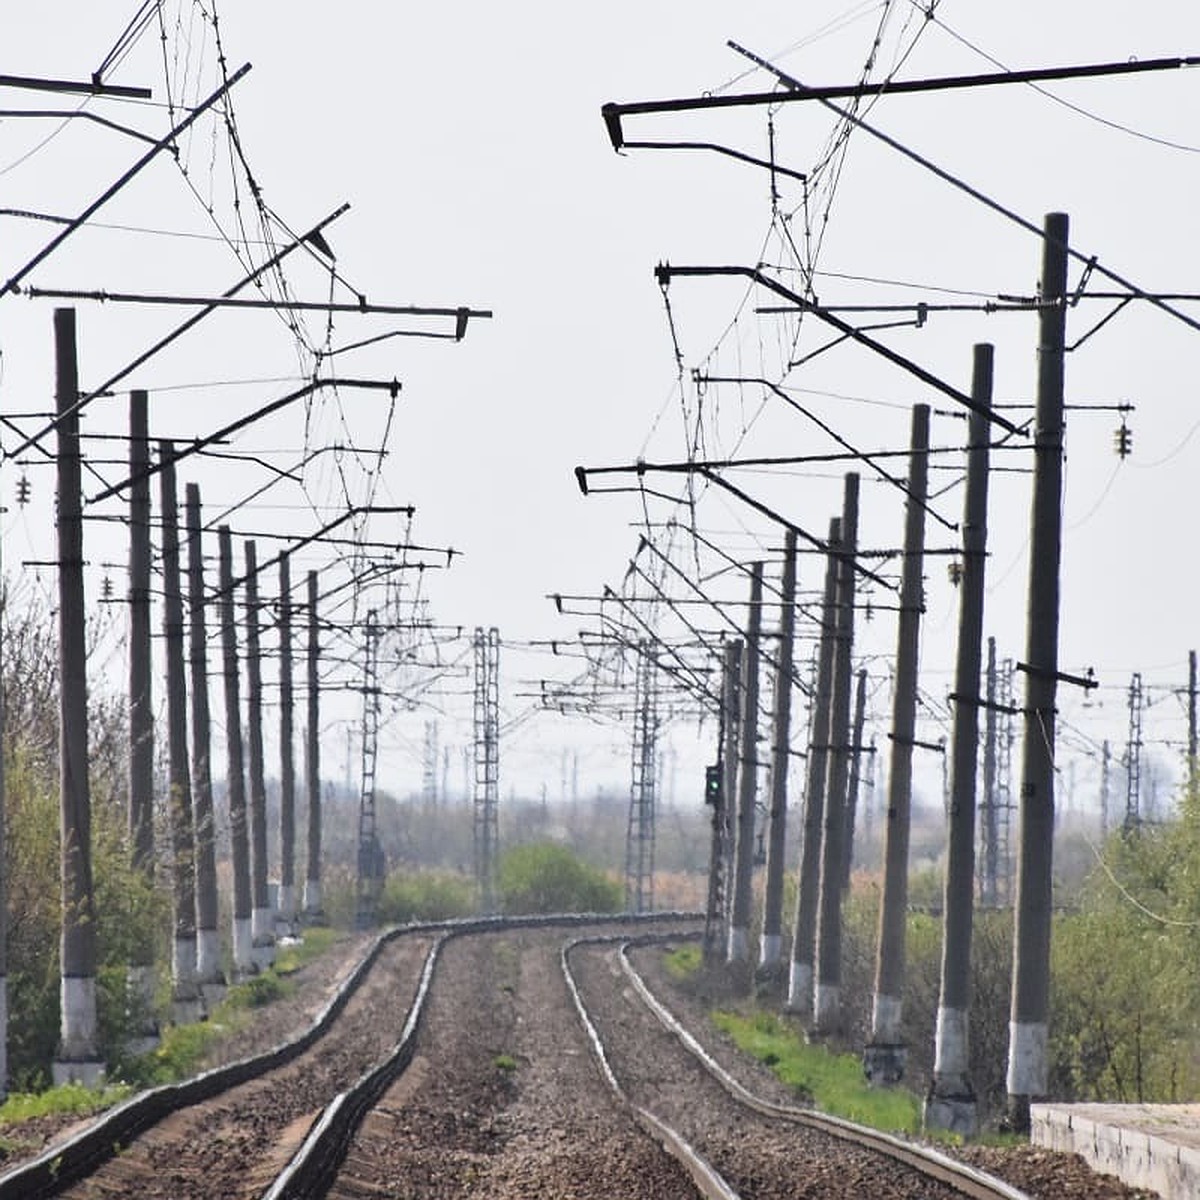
1042 1174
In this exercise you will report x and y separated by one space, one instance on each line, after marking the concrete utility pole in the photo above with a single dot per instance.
738 950
3 862
856 752
951 1103
262 919
209 973
771 948
719 786
885 1055
989 894
313 910
827 1000
235 771
141 708
286 907
1028 1025
804 933
1191 762
731 700
1105 762
77 1058
186 999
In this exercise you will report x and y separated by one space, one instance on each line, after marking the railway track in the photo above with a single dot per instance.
462 1059
752 1146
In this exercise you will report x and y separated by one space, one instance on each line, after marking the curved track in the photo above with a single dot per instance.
759 1148
462 1059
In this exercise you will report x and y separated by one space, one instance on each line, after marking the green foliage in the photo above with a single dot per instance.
544 877
1126 975
505 1063
179 1054
684 961
71 1098
425 896
132 912
183 1049
292 955
833 1082
259 990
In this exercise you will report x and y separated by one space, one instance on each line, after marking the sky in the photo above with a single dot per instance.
468 142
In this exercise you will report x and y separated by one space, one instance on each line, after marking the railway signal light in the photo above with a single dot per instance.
23 490
712 785
1123 440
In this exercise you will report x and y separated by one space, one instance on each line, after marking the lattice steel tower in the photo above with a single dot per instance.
429 773
1004 807
487 763
372 865
1133 756
639 837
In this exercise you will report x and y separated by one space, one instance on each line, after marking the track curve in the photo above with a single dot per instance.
461 1058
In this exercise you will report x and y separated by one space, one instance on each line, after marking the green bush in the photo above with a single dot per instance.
547 878
426 896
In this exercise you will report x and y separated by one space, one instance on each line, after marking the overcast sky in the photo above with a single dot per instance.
469 142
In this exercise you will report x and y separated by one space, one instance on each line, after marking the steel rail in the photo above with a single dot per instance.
312 1170
708 1180
967 1180
62 1164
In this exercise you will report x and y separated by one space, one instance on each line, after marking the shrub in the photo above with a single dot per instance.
546 878
426 896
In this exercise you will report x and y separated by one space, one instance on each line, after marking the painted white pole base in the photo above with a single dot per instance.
800 989
886 1012
951 1057
140 994
738 950
78 1060
314 914
827 1008
187 1005
1027 1058
770 950
262 938
209 973
243 948
885 1056
285 915
208 958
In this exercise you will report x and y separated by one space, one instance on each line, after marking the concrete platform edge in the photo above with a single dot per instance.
1137 1158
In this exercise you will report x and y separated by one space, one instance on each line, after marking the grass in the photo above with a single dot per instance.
68 1098
505 1063
833 1082
290 957
683 962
